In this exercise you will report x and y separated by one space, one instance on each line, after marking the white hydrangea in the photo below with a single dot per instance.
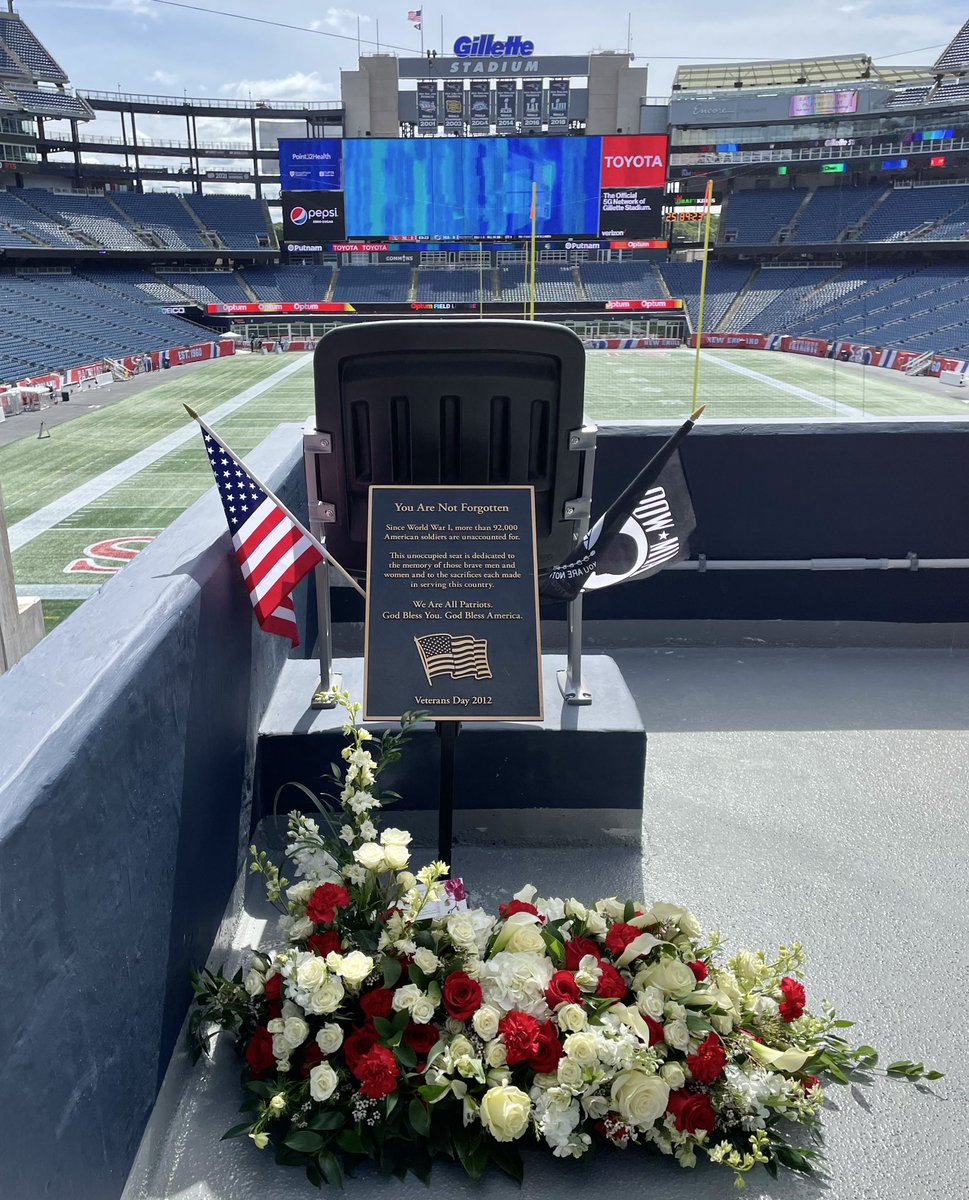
513 980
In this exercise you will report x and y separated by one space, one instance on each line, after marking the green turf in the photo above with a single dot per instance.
623 385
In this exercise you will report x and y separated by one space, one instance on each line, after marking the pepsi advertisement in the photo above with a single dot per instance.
453 189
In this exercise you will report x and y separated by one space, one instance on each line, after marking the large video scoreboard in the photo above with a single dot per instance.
471 189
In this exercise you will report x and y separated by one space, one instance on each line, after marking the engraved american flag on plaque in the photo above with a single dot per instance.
458 657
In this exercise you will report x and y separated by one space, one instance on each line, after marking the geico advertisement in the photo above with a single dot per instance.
313 217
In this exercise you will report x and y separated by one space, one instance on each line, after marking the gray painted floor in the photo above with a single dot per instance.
816 794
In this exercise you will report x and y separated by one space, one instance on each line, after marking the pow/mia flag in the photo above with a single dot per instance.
646 529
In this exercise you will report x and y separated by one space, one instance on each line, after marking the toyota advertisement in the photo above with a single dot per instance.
454 189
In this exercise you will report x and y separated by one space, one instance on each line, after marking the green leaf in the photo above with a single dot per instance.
303 1141
384 1027
391 971
406 1056
350 1142
420 1118
472 1151
432 1092
436 1049
935 1075
628 912
400 1021
416 975
332 1171
843 1024
237 1131
327 1119
507 1158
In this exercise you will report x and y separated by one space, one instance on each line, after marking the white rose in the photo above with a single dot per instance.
651 1000
277 1103
677 915
674 977
370 856
323 1081
254 984
461 931
295 1032
674 1075
406 997
329 1038
355 968
426 961
299 893
310 973
595 924
406 881
297 929
485 1022
571 1017
526 939
504 1113
395 837
280 1048
722 1025
326 998
587 976
276 1025
573 908
677 1035
582 1047
423 1010
513 924
570 1074
496 1053
396 857
640 1099
612 908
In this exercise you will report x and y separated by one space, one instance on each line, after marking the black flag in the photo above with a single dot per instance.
646 529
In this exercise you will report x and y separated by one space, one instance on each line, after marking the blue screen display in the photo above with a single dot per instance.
311 164
462 188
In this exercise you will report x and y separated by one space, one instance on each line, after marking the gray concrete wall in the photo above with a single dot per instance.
125 775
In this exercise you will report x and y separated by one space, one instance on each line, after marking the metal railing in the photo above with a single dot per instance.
146 143
211 102
819 153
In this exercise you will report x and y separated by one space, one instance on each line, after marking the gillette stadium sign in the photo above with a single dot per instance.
486 45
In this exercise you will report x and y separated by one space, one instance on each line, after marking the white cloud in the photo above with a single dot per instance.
341 20
301 85
165 77
135 8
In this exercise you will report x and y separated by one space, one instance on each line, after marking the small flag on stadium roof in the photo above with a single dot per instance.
415 15
273 550
645 530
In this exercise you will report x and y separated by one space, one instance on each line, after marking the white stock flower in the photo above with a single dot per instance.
422 1011
426 960
368 831
406 997
329 1038
323 1082
583 1047
485 1022
639 1098
571 1017
370 856
348 834
505 1112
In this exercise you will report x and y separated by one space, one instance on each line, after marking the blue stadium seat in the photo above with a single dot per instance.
756 218
241 222
384 284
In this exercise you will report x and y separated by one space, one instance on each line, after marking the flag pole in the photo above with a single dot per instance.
276 500
708 202
534 223
480 279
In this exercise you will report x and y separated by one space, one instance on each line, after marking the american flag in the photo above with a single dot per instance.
273 552
415 14
462 657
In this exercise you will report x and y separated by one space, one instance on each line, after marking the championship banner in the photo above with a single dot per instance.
453 105
531 104
427 106
506 105
479 95
558 104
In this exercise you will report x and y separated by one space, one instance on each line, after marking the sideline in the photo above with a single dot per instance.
833 406
52 514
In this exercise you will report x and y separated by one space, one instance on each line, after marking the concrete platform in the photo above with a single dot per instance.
818 794
586 762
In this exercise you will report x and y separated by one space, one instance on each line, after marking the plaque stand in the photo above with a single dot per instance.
321 513
448 732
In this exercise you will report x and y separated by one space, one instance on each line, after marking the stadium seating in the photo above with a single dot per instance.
163 215
438 286
620 281
756 218
207 287
908 209
91 219
773 293
385 284
553 283
39 228
832 211
143 286
724 281
16 37
287 283
241 222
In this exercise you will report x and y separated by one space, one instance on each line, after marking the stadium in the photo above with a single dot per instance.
783 243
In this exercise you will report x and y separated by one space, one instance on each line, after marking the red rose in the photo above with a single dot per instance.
612 986
462 995
517 906
656 1034
308 1056
562 989
794 999
324 902
323 943
577 948
259 1053
359 1043
619 937
378 1073
693 1111
421 1039
699 970
809 1082
546 1058
273 992
378 1003
709 1060
520 1032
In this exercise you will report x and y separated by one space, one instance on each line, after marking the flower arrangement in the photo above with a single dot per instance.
399 1025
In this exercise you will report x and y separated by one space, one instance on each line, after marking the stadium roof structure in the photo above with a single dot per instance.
22 55
793 72
956 54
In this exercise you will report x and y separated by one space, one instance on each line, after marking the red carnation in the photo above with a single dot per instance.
810 1082
462 995
692 1110
521 1034
377 1003
517 906
546 1058
794 999
323 943
612 986
656 1034
324 902
308 1056
562 989
259 1053
378 1073
577 948
699 970
709 1060
619 937
359 1043
421 1039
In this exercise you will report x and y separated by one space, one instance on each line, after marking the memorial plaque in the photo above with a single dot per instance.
452 604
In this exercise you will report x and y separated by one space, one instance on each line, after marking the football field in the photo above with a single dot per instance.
83 502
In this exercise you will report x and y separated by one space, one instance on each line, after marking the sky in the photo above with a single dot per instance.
171 48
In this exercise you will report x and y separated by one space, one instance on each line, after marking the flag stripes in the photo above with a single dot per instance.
461 657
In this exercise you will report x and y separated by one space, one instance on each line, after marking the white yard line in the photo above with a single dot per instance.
60 591
825 402
59 510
